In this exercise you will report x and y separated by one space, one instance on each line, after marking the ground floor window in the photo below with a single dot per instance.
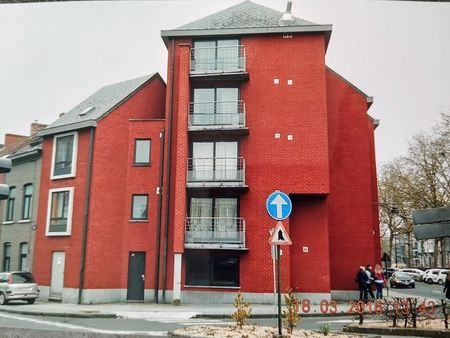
210 269
7 256
23 258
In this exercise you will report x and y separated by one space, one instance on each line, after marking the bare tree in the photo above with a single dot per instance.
418 180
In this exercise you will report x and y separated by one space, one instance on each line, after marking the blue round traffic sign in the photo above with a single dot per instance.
278 205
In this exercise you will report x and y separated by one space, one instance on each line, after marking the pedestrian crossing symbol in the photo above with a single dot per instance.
280 236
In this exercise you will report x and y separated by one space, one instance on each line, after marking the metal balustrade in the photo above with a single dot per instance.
217 114
218 59
220 232
216 171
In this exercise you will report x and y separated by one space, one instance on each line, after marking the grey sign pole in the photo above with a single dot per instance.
279 289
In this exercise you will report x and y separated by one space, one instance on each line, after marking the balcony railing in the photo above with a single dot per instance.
216 171
218 59
214 232
215 114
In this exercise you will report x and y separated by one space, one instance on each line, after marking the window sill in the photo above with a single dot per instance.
25 221
8 222
138 220
60 177
56 234
142 165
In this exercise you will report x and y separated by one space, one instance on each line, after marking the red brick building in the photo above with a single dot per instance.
250 107
98 160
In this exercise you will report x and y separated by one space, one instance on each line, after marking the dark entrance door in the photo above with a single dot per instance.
136 276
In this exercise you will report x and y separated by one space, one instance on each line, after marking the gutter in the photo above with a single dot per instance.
159 216
86 214
168 169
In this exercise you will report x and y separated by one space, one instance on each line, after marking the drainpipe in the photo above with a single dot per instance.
158 225
168 169
86 213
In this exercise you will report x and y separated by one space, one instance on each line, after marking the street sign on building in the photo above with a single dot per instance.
278 205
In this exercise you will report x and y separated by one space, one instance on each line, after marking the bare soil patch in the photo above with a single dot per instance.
248 331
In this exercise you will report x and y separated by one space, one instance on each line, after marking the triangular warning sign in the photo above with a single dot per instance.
280 236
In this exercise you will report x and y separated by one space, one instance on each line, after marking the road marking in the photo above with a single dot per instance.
344 321
83 328
192 321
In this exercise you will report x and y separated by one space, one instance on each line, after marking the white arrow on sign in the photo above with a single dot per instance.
279 201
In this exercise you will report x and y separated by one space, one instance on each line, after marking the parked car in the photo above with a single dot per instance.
417 274
389 271
401 279
18 285
442 276
435 276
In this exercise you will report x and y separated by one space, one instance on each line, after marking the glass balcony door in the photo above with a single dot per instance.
216 106
216 55
225 216
213 219
226 161
228 55
215 161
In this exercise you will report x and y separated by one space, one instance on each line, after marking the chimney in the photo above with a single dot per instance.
36 127
287 15
12 141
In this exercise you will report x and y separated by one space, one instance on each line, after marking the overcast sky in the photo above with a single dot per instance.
54 55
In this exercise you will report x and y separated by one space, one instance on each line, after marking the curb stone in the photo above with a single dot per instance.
397 331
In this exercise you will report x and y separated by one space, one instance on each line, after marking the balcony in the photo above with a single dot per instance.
214 61
214 233
214 115
216 172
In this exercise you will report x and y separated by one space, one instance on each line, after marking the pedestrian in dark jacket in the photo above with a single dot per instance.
362 278
447 287
370 280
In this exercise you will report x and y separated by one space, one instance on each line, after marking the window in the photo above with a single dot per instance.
212 270
10 204
27 201
216 106
59 214
214 218
216 55
7 256
215 161
23 257
139 207
142 151
64 155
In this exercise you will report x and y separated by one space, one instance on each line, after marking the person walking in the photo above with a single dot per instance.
361 279
447 287
379 281
370 279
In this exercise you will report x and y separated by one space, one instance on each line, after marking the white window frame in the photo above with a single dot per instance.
74 156
68 231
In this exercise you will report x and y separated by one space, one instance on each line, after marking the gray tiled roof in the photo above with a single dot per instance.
26 150
96 106
245 18
244 15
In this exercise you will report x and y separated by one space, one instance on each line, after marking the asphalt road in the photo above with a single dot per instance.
429 291
80 327
32 326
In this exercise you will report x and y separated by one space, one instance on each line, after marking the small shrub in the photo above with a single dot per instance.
325 329
243 310
291 315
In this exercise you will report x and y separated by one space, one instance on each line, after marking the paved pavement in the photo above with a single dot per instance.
153 311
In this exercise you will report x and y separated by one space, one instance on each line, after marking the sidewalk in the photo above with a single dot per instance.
183 311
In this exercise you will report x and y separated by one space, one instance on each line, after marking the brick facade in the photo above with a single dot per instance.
307 133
